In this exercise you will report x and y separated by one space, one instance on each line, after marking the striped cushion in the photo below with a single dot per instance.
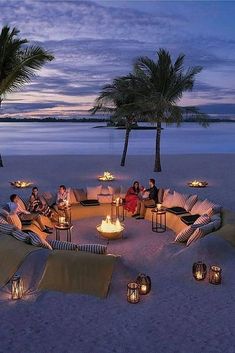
14 219
201 232
38 241
21 202
196 209
7 228
19 235
62 245
4 213
93 248
184 235
190 202
202 220
213 210
216 219
179 199
2 220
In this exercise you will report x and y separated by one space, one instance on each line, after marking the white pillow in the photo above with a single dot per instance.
92 192
190 202
197 208
216 219
165 193
179 199
14 219
201 221
200 232
168 201
185 234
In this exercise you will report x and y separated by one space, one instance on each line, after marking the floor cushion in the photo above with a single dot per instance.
189 219
90 203
176 210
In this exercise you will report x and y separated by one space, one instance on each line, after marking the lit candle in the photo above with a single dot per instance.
61 220
143 289
159 206
215 276
199 275
117 201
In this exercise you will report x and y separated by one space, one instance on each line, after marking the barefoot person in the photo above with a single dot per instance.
25 215
149 201
132 197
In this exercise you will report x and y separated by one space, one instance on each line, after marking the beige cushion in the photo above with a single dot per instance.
4 213
190 202
197 208
21 202
72 197
14 219
168 201
184 235
179 199
200 232
166 192
49 197
93 191
80 194
216 219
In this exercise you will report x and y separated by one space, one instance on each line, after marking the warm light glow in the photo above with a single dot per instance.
197 183
17 287
21 183
61 220
159 206
107 226
107 176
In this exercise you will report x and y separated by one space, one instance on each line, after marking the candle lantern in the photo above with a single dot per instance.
159 206
144 283
199 271
17 287
215 276
61 220
133 295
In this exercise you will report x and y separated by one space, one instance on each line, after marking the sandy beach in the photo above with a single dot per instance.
180 315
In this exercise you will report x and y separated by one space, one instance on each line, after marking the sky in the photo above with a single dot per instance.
95 41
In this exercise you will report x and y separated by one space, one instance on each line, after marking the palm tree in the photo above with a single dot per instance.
161 85
118 99
18 61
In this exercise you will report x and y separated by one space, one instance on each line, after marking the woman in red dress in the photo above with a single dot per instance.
132 197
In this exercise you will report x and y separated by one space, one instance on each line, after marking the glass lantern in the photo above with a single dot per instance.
215 275
144 283
17 287
199 271
133 295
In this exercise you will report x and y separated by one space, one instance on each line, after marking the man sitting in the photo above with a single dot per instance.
25 215
150 201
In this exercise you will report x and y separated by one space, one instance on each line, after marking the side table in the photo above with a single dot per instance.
117 210
158 221
64 227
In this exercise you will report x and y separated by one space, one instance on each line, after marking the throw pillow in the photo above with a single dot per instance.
7 228
197 208
80 194
21 202
200 232
49 197
14 219
2 220
4 213
217 220
72 197
210 207
184 235
166 192
93 191
179 199
190 202
168 201
202 220
19 235
160 195
93 248
62 245
36 240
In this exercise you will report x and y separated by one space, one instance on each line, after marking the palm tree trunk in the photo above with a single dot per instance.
157 164
123 160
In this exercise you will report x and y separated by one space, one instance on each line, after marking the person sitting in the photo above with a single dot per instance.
62 201
24 215
37 204
132 197
149 199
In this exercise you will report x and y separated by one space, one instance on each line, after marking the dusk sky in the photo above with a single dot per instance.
95 41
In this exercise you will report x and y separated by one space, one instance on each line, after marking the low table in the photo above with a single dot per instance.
158 221
67 228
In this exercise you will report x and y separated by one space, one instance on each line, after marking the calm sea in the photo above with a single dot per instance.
83 138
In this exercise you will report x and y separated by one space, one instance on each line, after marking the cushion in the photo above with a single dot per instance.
160 195
200 232
168 201
166 192
184 235
202 220
179 199
19 235
7 228
93 248
217 220
2 220
196 209
4 213
203 207
49 197
105 198
90 203
80 194
72 197
176 210
14 219
189 219
36 240
114 190
190 202
93 191
62 245
21 202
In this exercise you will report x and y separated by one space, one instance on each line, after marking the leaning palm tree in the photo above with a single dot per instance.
18 61
160 87
118 99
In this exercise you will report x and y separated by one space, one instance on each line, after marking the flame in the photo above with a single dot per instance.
107 226
107 176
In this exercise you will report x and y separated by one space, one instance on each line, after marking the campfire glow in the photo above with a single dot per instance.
107 176
109 229
198 184
21 183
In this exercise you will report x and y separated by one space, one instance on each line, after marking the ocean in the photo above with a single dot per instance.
82 138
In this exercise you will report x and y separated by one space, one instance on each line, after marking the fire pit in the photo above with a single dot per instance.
110 230
198 184
107 176
21 184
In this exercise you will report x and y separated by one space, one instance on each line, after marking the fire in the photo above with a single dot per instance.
107 226
21 183
197 184
107 176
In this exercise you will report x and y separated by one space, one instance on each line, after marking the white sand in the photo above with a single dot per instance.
180 315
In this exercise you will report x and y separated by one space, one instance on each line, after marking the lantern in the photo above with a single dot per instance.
159 206
144 283
199 271
17 287
133 295
61 221
215 276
